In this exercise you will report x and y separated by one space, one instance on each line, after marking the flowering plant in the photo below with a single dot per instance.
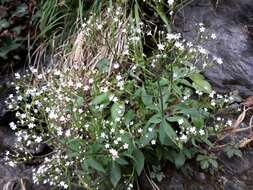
125 95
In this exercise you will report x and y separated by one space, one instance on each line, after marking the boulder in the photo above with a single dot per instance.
232 22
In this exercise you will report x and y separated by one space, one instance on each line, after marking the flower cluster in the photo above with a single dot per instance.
112 103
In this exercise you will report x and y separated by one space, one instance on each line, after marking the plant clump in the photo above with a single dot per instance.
124 97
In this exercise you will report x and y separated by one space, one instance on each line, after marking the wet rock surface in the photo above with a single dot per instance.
231 21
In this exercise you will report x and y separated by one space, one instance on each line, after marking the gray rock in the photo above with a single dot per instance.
231 21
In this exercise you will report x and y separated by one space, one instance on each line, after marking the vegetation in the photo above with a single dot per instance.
125 94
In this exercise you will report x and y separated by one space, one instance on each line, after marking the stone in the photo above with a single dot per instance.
231 21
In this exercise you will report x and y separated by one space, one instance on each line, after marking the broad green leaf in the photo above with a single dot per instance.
169 131
157 118
147 99
117 110
115 174
199 83
179 159
95 165
129 117
121 161
139 160
100 99
198 121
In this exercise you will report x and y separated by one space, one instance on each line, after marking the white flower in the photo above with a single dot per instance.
40 76
183 138
59 131
170 2
202 29
31 125
52 115
192 130
229 123
13 126
38 139
86 88
12 164
125 146
179 45
160 46
116 66
180 121
79 85
118 77
17 76
99 26
114 153
67 133
213 36
139 130
219 61
153 142
201 132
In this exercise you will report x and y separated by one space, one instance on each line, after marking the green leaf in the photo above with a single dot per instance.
213 162
198 122
157 118
100 99
4 24
96 165
129 117
204 164
138 161
79 101
147 99
169 131
117 110
103 65
199 83
179 159
115 174
121 161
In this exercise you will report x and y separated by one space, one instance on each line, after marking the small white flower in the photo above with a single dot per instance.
201 132
192 130
183 138
170 2
86 88
229 123
17 76
38 139
219 61
114 153
213 36
139 130
161 46
116 66
67 133
180 121
13 126
202 29
31 125
40 76
125 146
153 142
